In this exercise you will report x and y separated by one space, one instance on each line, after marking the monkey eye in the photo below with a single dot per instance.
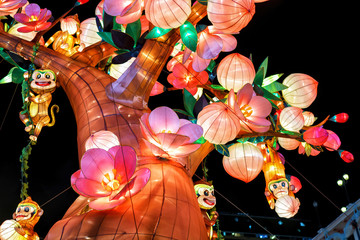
38 76
283 184
27 209
206 193
274 186
19 209
47 75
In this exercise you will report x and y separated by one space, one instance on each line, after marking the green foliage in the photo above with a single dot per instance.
157 32
189 102
24 157
15 75
106 37
189 35
222 149
134 30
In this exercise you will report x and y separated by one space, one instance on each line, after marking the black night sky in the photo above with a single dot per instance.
298 36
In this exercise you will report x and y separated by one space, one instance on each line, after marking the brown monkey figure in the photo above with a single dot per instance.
42 83
206 199
25 217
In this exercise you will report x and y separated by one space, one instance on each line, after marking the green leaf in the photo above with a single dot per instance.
157 32
15 75
7 57
243 140
264 65
189 102
182 112
134 30
201 140
271 79
259 77
122 51
189 35
217 87
269 95
222 149
211 66
106 37
117 26
275 87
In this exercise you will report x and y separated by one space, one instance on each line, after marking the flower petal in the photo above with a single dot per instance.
245 94
95 163
104 203
185 150
156 150
88 187
21 18
261 106
193 131
139 180
170 141
163 119
32 10
125 161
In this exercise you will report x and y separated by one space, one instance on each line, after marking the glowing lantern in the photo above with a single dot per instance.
89 31
340 118
346 156
167 13
291 119
234 71
230 16
209 45
301 91
157 89
316 136
219 122
102 139
29 36
295 182
332 142
116 70
245 161
288 143
287 206
309 118
125 11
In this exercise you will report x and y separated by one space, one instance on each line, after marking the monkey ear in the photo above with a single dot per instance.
14 216
57 84
267 193
292 187
41 212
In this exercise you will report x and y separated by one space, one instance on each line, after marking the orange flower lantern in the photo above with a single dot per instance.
230 16
287 206
167 13
291 119
234 71
245 161
301 91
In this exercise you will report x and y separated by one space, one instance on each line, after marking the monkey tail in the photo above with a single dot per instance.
53 115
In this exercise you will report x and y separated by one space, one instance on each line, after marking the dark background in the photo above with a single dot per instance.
298 36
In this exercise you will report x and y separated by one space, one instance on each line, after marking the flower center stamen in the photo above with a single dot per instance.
246 110
33 18
110 183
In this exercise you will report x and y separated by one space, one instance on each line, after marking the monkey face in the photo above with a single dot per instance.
43 81
279 188
24 212
205 195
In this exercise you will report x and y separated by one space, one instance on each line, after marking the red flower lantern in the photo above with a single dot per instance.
340 118
346 156
316 136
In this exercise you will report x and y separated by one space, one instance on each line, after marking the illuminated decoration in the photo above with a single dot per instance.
21 227
245 161
109 177
309 118
340 118
102 139
125 11
219 122
287 206
8 7
295 182
332 142
230 16
316 136
42 83
29 36
34 19
157 89
169 145
166 13
207 201
301 91
168 136
346 156
63 41
291 119
288 143
234 71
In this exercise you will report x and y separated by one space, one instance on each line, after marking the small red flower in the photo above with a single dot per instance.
346 156
34 19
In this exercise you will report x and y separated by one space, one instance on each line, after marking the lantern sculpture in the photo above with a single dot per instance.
332 142
277 185
234 71
301 91
21 227
287 206
309 118
102 139
207 201
125 11
316 136
291 119
245 161
88 29
288 143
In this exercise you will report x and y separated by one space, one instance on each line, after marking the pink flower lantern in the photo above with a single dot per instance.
102 139
168 136
295 182
109 177
291 119
346 156
316 136
245 161
287 206
220 122
167 13
254 110
230 16
34 19
126 11
332 142
157 89
340 118
301 91
288 143
8 7
234 71
209 45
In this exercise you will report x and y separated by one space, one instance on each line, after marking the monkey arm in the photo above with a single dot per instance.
41 98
